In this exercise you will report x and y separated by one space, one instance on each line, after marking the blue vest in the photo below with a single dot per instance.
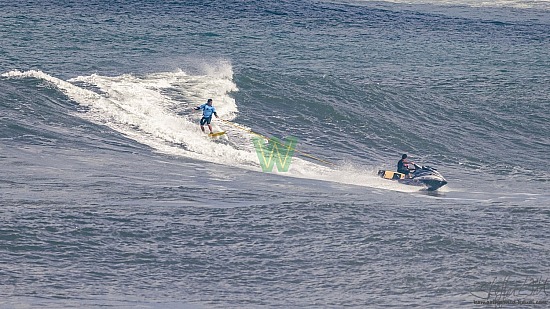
207 110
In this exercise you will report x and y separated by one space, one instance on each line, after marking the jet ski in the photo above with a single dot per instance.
425 176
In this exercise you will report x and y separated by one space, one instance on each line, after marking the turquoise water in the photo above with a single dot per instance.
112 196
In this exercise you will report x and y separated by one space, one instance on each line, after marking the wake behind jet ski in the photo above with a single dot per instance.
425 176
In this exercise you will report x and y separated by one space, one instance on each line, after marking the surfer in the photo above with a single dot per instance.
207 111
403 165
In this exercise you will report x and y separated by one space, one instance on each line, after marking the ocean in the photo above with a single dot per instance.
112 197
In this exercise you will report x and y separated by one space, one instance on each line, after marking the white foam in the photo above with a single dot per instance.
523 4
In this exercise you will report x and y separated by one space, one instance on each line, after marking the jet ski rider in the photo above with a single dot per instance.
403 166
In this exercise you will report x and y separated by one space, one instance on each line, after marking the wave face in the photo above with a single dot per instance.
112 196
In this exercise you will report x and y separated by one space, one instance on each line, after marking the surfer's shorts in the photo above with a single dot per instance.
205 120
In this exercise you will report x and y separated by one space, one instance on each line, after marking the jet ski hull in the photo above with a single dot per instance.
423 176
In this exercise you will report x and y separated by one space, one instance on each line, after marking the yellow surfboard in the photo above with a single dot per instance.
391 175
216 134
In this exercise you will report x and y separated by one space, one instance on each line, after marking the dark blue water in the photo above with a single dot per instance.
112 197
